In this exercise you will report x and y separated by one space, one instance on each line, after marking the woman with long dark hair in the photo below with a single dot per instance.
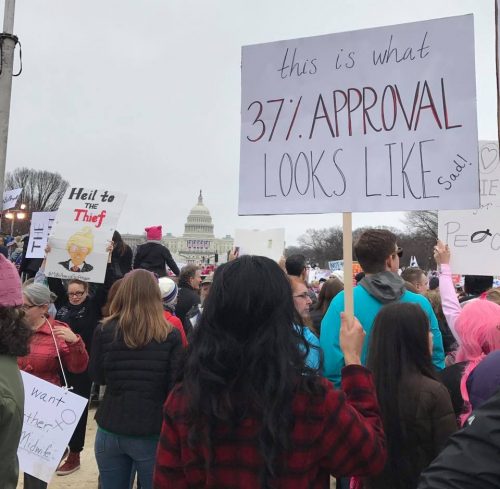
248 411
133 353
416 409
121 258
79 306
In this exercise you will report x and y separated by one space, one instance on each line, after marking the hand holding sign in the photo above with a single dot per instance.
442 253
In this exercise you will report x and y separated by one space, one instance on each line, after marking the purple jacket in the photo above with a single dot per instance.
484 380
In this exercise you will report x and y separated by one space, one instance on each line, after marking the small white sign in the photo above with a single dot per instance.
41 225
10 198
379 119
51 414
474 235
269 242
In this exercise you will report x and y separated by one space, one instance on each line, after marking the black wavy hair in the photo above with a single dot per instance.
119 245
247 359
15 333
399 350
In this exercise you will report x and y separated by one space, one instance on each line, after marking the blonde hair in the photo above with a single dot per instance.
83 238
493 295
138 310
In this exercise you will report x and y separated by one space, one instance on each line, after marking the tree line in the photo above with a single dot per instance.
418 239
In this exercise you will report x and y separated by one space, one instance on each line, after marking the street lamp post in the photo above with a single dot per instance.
14 214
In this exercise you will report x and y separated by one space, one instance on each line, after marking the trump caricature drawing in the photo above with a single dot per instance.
79 246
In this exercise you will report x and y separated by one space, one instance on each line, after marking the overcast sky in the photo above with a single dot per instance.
144 96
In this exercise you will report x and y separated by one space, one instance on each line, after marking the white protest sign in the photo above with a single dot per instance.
380 119
51 414
41 225
497 26
336 265
10 198
269 242
84 226
474 235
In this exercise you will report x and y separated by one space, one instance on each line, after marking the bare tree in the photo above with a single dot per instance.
42 191
422 222
322 245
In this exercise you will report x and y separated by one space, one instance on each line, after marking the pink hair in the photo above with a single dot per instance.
478 327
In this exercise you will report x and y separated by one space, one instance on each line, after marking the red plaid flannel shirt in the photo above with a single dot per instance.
341 435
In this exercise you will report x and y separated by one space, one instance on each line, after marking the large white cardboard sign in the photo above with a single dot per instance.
84 226
380 119
474 235
51 414
41 225
268 242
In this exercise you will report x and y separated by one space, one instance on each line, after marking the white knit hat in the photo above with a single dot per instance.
168 290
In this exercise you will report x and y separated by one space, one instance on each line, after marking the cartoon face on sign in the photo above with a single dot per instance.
79 246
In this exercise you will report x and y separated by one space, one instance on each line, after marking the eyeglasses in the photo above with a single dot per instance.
76 249
305 295
76 294
26 307
399 251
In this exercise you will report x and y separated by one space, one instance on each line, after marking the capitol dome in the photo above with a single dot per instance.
199 221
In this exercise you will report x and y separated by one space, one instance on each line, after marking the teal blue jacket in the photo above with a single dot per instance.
366 307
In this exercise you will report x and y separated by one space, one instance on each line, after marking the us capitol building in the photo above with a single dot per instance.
197 245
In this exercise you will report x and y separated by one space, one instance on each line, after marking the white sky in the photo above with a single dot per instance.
144 96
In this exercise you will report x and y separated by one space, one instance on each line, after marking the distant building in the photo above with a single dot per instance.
198 244
134 240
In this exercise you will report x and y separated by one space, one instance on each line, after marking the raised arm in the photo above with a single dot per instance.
449 299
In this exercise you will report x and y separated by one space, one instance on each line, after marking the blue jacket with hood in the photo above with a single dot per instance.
370 296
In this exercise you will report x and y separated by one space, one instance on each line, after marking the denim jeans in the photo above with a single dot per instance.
117 454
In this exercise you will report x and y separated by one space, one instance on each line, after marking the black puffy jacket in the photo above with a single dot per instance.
137 380
153 256
471 458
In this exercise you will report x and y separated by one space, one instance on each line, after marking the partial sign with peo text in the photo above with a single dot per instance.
83 229
380 119
474 235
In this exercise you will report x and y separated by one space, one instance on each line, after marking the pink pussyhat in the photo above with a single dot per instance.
11 294
153 233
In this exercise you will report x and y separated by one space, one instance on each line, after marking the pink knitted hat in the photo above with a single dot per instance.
10 284
153 233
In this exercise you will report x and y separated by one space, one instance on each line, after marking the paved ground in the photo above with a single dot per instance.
86 477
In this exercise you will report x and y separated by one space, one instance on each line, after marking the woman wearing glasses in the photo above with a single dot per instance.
303 323
81 310
51 340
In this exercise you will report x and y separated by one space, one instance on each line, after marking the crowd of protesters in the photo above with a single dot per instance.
249 377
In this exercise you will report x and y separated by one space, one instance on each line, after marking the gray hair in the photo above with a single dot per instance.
38 294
